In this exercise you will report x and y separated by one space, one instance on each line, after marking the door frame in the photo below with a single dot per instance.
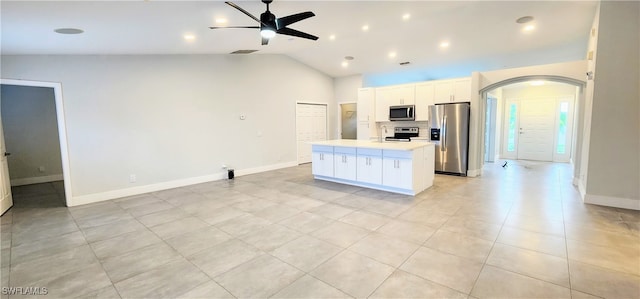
62 128
326 123
339 104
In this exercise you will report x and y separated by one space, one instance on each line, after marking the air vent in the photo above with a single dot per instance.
404 63
243 51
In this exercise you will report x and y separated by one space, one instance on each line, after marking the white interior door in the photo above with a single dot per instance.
536 129
311 125
6 200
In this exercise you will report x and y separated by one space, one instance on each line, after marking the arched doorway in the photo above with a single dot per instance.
532 123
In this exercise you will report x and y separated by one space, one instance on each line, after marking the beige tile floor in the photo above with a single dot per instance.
515 232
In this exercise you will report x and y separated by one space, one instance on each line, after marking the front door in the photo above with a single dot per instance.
6 200
536 129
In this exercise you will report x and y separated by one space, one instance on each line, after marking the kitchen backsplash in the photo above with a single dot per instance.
423 126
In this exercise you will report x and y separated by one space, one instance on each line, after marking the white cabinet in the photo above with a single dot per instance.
424 99
322 160
366 113
383 101
369 168
397 169
345 163
393 96
453 90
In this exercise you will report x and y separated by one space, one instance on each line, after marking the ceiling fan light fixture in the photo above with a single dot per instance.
267 33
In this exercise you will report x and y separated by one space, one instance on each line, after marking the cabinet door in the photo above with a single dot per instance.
462 90
322 164
397 173
364 130
366 97
424 99
369 170
383 100
345 166
403 95
443 91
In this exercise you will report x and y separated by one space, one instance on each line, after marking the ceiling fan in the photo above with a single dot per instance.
270 25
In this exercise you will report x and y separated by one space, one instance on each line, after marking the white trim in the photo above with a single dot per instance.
474 173
582 189
37 180
617 202
97 197
62 129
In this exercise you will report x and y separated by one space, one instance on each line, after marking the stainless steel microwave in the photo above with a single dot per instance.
404 112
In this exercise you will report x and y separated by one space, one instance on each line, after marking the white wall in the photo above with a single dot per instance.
31 134
171 118
614 149
346 88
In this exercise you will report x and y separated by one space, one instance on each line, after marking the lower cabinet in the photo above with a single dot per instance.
397 169
369 168
322 160
344 163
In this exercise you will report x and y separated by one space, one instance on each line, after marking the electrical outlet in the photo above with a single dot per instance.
132 178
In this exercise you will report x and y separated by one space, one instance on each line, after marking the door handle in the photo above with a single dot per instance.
7 154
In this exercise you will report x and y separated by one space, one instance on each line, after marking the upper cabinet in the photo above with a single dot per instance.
393 96
366 104
424 99
453 90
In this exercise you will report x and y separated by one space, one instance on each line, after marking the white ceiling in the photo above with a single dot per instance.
483 34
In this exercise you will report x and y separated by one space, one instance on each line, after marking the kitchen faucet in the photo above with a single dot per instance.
380 135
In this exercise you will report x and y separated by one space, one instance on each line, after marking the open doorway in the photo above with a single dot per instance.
531 120
40 162
349 121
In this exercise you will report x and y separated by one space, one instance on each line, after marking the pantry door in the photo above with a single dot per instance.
536 129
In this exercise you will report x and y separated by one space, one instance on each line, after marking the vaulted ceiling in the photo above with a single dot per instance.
482 35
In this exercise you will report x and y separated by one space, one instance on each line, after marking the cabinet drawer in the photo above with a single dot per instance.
369 152
322 148
397 154
344 150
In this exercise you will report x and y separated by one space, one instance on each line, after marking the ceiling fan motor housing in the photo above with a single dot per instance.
268 20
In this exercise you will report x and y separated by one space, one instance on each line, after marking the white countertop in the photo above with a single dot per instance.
388 145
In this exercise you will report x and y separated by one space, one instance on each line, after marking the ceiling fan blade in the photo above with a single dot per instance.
288 20
252 27
265 41
243 11
296 33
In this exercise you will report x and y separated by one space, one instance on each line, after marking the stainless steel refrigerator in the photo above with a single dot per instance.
449 130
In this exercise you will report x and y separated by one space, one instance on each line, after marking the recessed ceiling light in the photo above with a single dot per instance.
392 54
345 64
406 16
221 21
189 37
444 44
529 28
536 83
332 37
525 19
69 31
365 28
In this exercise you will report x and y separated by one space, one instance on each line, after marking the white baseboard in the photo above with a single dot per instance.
97 197
474 172
37 180
582 189
617 202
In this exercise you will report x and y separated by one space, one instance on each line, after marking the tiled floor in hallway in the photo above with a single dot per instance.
516 232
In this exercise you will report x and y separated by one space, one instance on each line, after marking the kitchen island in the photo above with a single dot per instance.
399 167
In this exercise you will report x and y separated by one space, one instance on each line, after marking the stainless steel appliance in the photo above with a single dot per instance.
405 112
449 130
403 134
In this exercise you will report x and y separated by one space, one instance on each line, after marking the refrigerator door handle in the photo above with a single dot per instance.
443 133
